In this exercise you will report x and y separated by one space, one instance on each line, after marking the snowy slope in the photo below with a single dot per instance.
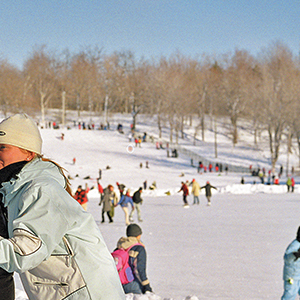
231 250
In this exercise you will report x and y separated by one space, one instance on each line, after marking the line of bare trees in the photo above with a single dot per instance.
263 90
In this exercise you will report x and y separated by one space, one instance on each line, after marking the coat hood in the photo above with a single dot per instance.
126 242
36 170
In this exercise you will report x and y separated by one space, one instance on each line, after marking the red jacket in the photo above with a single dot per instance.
185 190
81 196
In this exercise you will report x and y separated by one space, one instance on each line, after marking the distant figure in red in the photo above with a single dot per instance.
210 167
293 184
74 161
136 141
217 167
81 196
185 190
208 188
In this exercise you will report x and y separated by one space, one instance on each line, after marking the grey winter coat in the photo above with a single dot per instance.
108 199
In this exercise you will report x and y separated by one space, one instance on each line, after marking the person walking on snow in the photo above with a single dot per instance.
137 260
196 191
137 202
53 244
121 188
81 196
208 188
293 184
291 269
185 191
107 199
124 201
289 184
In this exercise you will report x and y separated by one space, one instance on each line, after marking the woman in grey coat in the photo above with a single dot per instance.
108 198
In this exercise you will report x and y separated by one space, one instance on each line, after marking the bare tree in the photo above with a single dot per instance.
40 70
10 88
236 87
278 94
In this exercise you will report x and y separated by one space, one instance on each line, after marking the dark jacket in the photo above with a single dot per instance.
7 287
136 198
208 188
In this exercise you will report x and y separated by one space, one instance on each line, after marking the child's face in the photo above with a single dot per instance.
11 154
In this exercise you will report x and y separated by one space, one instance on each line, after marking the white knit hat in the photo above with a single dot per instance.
21 131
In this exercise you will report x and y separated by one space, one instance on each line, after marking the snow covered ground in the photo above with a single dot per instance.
230 250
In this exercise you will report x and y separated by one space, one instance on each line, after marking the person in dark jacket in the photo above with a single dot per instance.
208 188
137 201
137 260
121 188
7 286
185 191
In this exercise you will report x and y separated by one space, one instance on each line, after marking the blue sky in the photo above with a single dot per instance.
149 28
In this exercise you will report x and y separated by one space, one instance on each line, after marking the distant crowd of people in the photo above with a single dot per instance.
195 192
218 168
109 200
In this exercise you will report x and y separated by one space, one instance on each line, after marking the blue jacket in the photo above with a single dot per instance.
291 266
125 200
50 234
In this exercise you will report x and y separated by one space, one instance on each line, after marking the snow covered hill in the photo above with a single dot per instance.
230 250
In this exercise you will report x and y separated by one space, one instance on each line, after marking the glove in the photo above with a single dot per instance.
147 288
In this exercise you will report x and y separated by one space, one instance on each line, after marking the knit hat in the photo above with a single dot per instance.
21 131
133 230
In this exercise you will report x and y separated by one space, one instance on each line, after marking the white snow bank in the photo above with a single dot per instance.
21 295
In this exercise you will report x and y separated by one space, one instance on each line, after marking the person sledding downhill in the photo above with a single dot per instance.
208 188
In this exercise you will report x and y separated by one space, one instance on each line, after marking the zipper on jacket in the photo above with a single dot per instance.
62 284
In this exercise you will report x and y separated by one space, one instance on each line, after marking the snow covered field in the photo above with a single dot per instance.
230 250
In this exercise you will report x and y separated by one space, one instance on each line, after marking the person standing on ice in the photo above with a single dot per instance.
107 199
291 269
121 188
124 201
53 244
137 260
185 191
208 188
137 202
81 196
196 191
289 184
